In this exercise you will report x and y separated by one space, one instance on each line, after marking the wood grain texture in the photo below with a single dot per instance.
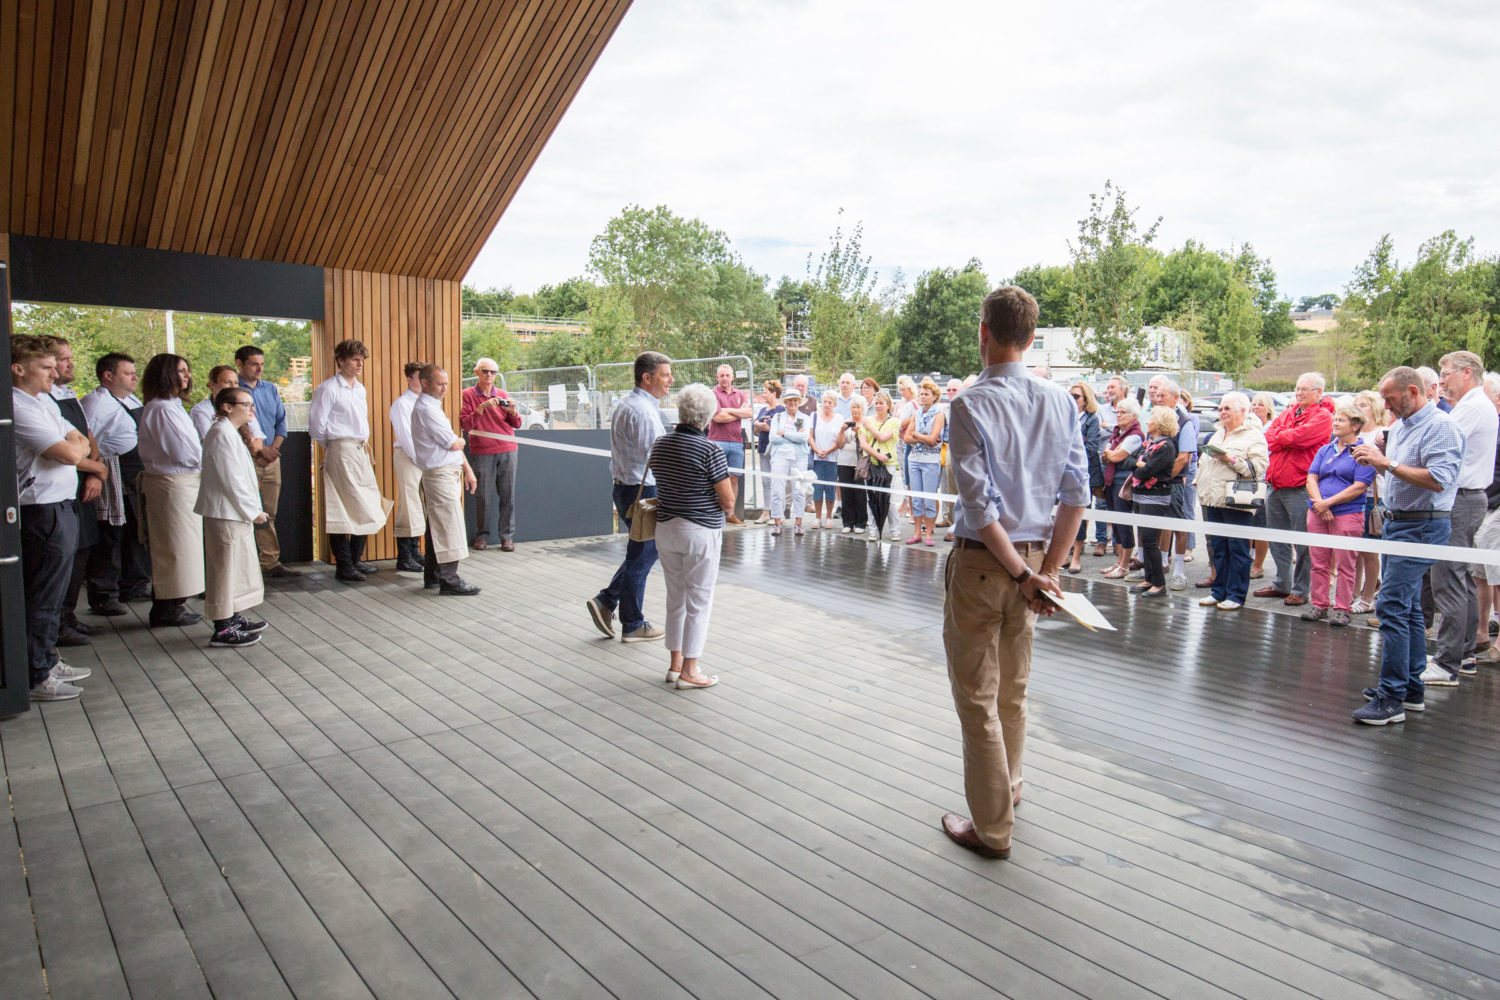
370 136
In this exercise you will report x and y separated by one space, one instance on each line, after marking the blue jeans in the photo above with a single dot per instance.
1230 556
1403 635
627 589
923 477
734 454
824 470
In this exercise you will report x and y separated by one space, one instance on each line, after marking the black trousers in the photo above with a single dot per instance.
434 571
347 549
855 511
118 563
880 503
49 540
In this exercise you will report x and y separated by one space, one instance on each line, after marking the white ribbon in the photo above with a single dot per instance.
1411 550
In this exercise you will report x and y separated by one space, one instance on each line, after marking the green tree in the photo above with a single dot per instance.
1341 346
492 301
558 349
1052 287
1307 303
1111 276
1371 295
843 314
937 326
569 299
664 264
489 338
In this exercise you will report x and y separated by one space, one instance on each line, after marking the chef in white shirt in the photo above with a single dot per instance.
445 476
221 377
229 502
339 420
119 568
73 632
410 522
49 454
173 457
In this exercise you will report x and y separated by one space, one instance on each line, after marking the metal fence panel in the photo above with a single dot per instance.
612 382
551 398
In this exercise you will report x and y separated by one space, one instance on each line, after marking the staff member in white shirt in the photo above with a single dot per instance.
119 567
230 504
445 476
73 632
1461 375
49 455
339 420
410 523
221 377
173 457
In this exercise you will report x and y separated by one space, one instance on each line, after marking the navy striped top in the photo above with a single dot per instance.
686 465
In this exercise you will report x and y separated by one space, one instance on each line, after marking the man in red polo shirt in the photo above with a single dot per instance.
489 409
724 429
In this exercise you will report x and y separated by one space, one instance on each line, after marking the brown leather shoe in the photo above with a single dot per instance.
960 830
1204 584
1271 592
480 544
1294 600
731 519
506 545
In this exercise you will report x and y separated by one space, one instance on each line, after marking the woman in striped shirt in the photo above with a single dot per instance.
693 493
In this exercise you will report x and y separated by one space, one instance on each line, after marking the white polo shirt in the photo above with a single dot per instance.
40 425
1475 416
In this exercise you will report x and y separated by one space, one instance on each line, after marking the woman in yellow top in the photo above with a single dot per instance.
878 439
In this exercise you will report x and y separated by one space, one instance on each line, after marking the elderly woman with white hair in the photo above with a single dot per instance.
693 494
1237 451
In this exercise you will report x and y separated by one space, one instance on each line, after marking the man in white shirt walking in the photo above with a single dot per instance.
445 476
1461 375
338 418
1016 449
410 522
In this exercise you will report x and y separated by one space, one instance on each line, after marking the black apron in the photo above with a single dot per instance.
88 516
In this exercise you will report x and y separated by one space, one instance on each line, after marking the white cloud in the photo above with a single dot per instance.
956 129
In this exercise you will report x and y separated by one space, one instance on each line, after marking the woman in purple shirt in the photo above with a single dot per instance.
1336 486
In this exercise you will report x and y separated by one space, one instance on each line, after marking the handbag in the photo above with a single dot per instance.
1127 492
643 510
1245 494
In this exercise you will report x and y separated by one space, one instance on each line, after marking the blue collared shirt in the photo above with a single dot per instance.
1016 451
636 423
269 410
1428 439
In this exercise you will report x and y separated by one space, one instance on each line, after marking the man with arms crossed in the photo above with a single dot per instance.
445 475
270 419
724 429
410 523
1016 450
635 426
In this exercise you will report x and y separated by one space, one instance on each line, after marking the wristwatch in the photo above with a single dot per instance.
1023 576
1393 467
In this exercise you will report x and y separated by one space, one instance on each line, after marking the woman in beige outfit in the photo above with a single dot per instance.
1237 451
229 503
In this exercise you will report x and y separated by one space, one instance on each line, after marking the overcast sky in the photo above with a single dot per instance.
978 129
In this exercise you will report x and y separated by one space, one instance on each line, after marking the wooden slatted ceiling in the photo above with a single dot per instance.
370 135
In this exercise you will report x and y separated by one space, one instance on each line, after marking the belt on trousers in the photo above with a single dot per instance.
1418 515
1470 489
1022 547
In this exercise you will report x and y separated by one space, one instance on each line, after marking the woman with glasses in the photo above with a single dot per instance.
1236 451
229 503
1093 443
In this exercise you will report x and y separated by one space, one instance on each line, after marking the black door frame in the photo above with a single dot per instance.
15 678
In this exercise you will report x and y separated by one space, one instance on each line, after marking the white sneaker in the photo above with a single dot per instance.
68 674
872 536
1138 576
1177 582
1436 676
52 689
1229 605
1207 602
847 531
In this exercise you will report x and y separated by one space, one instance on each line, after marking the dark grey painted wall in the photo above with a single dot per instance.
560 494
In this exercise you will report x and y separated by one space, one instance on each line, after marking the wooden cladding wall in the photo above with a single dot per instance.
399 319
362 134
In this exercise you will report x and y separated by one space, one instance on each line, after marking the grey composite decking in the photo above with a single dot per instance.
400 795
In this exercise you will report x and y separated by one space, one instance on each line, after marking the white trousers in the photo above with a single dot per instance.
784 463
689 557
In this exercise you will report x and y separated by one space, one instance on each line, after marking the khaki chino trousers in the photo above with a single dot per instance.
987 634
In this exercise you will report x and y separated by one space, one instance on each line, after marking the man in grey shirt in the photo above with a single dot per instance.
634 427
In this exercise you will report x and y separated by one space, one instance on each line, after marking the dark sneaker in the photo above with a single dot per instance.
1314 614
70 636
459 589
1380 711
645 633
245 624
367 568
109 609
231 636
348 574
1338 618
1406 703
178 618
604 619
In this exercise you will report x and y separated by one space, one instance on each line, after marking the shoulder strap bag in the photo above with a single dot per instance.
643 510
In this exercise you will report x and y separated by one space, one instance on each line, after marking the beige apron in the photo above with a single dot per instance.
234 579
410 521
352 504
443 495
175 534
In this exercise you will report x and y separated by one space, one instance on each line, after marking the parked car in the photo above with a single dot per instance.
531 419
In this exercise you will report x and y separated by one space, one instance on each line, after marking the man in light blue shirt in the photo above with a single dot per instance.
634 426
1423 455
1016 451
270 412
